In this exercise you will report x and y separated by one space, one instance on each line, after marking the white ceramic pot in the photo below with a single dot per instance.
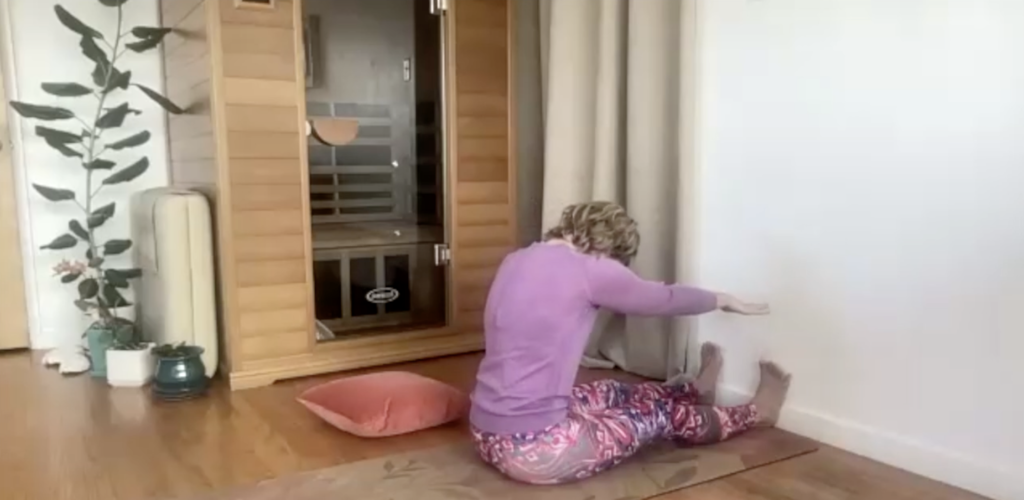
130 368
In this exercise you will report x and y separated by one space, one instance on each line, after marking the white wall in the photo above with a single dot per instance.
39 49
862 168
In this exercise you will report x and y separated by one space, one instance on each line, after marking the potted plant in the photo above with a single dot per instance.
180 372
93 142
129 360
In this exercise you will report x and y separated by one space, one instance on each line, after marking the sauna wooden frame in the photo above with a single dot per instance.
240 74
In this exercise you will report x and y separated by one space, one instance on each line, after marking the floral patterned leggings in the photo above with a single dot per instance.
609 421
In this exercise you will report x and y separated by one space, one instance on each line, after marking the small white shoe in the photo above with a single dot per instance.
68 360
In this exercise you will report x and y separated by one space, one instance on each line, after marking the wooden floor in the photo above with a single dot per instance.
76 439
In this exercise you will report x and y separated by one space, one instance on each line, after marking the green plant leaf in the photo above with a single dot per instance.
118 80
62 242
124 335
88 288
95 54
131 141
144 44
113 3
62 148
85 305
74 24
89 255
99 75
54 194
113 298
149 32
95 263
76 229
57 136
99 164
101 215
70 278
66 89
129 173
59 140
116 247
47 113
115 280
114 117
119 277
164 102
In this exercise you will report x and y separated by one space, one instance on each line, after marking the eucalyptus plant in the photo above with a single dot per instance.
89 140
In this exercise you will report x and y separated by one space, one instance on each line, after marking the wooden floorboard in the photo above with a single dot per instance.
73 438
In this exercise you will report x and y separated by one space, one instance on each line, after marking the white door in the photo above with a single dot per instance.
13 322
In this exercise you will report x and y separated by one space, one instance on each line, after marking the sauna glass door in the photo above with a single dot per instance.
374 101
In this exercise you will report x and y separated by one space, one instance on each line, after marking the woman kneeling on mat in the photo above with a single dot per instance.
528 419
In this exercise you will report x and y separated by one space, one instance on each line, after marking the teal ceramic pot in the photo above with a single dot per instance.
99 340
182 376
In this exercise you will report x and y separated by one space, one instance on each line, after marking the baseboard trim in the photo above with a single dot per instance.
935 463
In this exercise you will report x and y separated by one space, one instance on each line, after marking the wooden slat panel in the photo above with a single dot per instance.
279 272
266 145
484 126
483 170
254 324
259 92
257 248
469 321
267 222
482 193
367 203
482 257
248 39
262 119
473 299
280 17
488 149
272 197
485 215
357 188
263 66
483 182
485 14
266 197
263 298
350 169
275 345
475 278
265 171
484 236
489 104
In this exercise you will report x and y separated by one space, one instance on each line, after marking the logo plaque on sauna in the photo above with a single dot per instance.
381 295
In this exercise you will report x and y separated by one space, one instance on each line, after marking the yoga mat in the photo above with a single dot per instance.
456 473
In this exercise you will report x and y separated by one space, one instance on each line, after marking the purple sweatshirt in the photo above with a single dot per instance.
540 311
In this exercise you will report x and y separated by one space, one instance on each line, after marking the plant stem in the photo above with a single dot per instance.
91 156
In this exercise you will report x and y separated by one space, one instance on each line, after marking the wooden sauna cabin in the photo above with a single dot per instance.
360 164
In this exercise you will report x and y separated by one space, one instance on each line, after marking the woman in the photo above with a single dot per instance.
528 419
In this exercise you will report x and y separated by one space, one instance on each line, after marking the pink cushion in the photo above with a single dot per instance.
385 403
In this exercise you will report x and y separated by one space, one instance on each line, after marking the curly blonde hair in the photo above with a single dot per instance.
598 228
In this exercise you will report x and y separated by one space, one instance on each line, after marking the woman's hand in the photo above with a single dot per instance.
731 304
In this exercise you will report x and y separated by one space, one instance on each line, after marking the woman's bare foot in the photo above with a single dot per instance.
710 368
771 393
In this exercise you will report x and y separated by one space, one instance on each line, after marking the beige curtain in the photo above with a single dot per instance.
608 84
